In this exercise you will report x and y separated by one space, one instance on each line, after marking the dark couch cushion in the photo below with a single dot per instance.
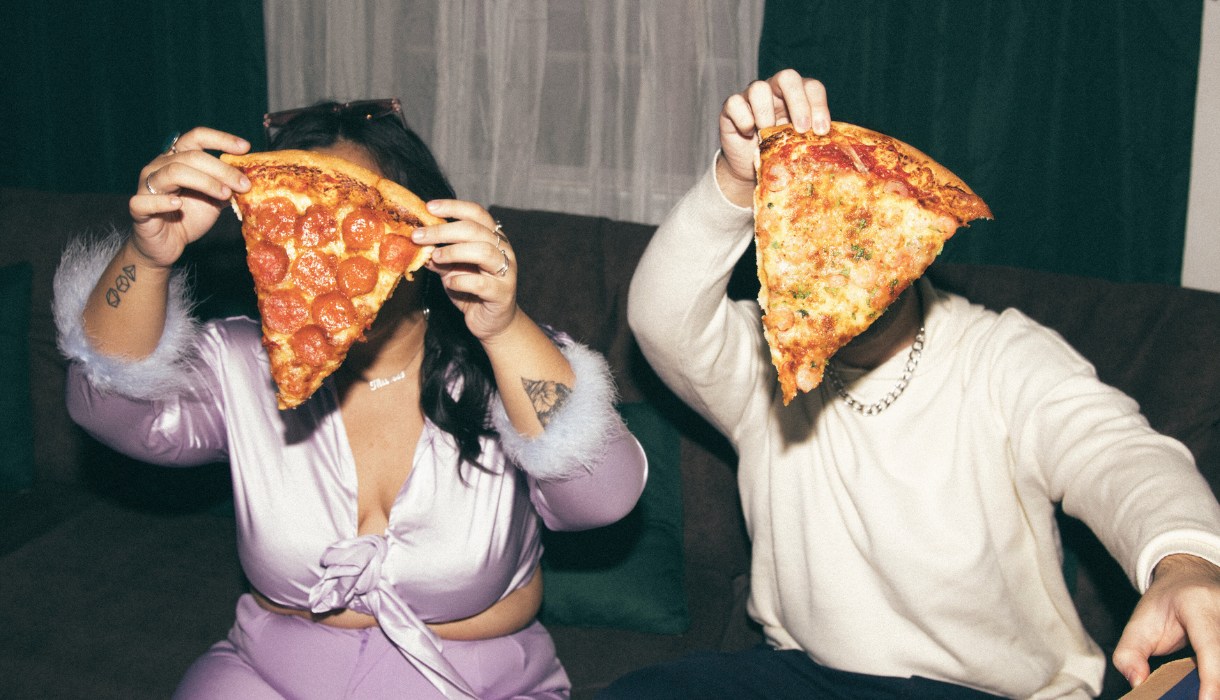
628 575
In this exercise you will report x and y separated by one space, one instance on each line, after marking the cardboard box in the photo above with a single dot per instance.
1176 680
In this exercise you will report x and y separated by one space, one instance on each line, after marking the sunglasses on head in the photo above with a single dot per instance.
369 109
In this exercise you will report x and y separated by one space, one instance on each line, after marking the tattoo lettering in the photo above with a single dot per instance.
122 283
546 397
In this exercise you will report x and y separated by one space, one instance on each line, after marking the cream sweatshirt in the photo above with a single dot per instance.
921 541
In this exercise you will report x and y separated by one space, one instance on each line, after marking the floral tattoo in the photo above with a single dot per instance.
546 397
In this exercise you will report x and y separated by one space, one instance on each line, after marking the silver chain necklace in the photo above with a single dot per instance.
885 401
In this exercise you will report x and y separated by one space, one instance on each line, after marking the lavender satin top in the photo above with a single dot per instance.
459 538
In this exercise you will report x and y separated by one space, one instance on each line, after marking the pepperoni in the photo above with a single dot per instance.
311 346
397 252
362 229
358 275
268 263
276 217
314 272
334 312
316 227
284 310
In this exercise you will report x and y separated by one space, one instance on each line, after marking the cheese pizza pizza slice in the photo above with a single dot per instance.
844 223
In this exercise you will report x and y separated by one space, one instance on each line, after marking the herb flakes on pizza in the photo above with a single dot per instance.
327 241
844 223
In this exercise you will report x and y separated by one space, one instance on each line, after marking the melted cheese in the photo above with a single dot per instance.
835 248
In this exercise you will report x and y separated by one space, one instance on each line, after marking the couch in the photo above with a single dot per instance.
116 574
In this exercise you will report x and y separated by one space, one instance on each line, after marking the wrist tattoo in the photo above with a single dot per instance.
546 397
122 283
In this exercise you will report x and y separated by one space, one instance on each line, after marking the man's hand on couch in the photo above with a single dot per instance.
1181 604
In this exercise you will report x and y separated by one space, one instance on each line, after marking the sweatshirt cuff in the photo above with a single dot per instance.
1205 545
82 264
574 441
732 209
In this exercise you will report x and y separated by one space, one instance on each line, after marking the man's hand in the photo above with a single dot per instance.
1182 604
783 98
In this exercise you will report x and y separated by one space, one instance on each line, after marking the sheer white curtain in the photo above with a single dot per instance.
603 107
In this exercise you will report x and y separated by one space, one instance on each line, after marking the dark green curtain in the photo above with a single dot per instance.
93 88
1073 120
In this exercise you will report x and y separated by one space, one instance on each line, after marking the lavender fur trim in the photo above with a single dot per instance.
575 439
161 373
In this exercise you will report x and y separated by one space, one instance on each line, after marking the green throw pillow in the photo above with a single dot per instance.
628 575
16 412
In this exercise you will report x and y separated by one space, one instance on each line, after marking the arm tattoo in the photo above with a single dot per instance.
546 397
122 283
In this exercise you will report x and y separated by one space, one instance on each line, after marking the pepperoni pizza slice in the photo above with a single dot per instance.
327 241
844 223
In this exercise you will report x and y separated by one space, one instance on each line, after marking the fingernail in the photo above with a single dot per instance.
245 181
432 206
821 125
419 235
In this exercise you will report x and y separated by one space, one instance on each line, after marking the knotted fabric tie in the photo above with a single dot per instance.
352 579
352 571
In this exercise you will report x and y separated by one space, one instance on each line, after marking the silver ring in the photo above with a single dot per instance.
503 268
499 231
148 184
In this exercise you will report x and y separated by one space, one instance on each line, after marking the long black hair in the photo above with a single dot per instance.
457 383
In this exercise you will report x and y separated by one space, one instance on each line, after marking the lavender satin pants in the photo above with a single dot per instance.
281 656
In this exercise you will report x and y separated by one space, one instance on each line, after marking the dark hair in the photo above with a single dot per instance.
453 358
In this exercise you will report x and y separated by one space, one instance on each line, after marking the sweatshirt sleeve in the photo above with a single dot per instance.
159 409
708 349
1138 490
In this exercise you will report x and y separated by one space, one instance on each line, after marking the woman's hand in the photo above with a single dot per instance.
784 98
478 268
476 265
182 192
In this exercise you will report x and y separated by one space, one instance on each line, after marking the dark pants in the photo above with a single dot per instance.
767 674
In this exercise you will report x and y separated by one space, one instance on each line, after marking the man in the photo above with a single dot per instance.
913 553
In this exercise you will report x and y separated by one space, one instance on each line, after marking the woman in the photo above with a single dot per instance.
389 526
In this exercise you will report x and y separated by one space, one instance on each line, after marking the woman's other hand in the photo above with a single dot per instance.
476 264
181 193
